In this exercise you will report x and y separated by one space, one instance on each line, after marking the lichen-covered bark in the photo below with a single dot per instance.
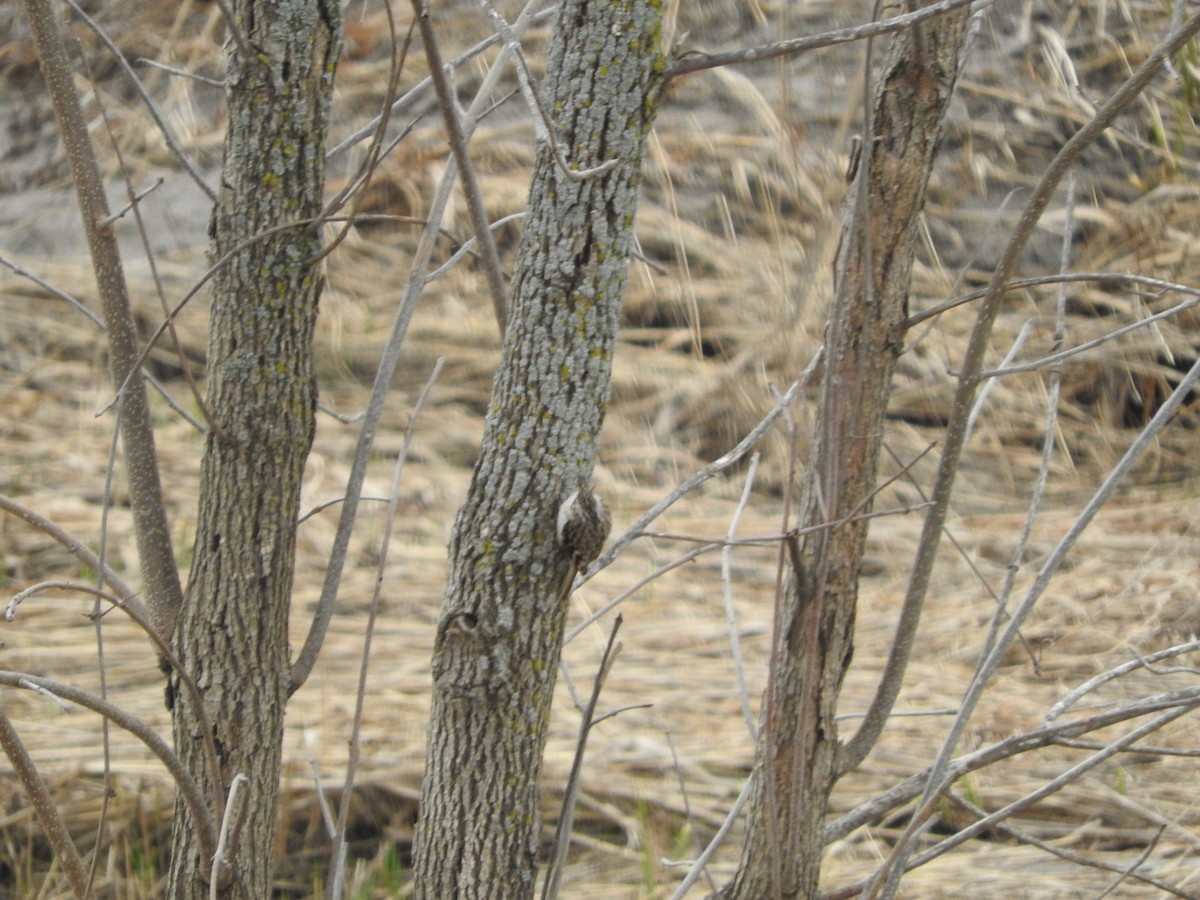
500 632
798 749
232 634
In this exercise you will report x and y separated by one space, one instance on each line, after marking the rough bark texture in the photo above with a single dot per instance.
232 634
500 632
798 751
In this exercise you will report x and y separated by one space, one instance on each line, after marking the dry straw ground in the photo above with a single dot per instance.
737 230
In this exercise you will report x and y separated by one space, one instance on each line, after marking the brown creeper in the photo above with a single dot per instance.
583 524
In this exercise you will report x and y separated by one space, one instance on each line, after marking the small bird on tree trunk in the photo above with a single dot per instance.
583 525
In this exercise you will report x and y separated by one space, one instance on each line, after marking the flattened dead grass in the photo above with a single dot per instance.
736 233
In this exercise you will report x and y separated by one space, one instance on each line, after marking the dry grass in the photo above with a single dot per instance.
739 224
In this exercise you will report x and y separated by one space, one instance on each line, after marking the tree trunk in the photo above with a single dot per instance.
500 633
232 634
799 750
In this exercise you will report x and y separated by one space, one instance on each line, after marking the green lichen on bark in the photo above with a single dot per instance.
501 628
232 634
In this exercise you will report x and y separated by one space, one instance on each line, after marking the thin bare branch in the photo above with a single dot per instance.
44 806
1048 434
889 685
130 606
709 546
334 886
1097 681
1104 278
136 197
381 387
696 61
731 627
713 468
702 861
458 146
77 305
163 127
1080 859
72 544
931 799
231 825
566 816
377 150
543 124
526 19
188 789
155 552
1173 703
182 73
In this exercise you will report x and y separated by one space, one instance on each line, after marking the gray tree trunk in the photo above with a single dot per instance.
500 633
232 633
799 748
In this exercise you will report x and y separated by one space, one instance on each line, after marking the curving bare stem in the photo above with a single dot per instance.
860 745
458 145
696 61
156 555
189 790
137 612
43 804
73 545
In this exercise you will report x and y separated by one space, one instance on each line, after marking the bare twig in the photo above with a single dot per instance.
880 805
43 804
543 124
78 306
155 552
388 362
702 861
991 660
469 245
715 467
695 61
163 127
135 197
72 544
189 791
182 73
458 146
138 614
709 546
1080 859
931 799
1097 681
1105 278
376 152
562 832
735 646
986 390
889 685
527 18
334 887
231 826
1048 435
110 470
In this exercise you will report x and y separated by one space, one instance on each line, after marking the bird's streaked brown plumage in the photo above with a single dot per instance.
583 525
